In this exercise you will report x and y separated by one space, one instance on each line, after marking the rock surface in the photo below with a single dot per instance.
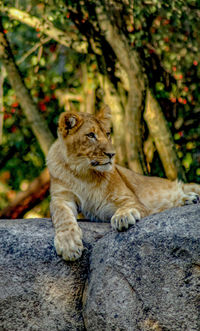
147 278
38 290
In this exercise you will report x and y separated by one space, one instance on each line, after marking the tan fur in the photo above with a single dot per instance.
84 178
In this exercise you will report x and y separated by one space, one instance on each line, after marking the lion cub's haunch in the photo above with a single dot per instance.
85 178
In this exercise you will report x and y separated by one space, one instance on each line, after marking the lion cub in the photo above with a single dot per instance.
85 178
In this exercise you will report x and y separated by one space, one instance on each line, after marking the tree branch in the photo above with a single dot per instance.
68 39
36 121
32 50
163 139
26 200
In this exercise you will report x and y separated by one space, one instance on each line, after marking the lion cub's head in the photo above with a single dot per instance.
86 141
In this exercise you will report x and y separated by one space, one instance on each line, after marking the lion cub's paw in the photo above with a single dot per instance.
191 198
123 218
69 244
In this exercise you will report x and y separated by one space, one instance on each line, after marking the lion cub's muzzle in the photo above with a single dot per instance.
110 156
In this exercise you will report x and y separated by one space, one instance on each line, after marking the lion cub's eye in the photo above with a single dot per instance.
108 134
91 135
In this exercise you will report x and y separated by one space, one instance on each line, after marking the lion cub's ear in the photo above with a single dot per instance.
69 123
104 115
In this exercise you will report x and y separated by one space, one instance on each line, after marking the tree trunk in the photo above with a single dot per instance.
162 137
136 88
112 99
129 60
2 78
88 91
36 121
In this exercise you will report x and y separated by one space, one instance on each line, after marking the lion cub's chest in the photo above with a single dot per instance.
92 199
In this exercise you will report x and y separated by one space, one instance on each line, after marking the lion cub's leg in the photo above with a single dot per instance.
160 194
128 213
191 187
68 235
191 192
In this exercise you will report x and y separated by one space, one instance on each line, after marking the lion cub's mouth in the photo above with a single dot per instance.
96 163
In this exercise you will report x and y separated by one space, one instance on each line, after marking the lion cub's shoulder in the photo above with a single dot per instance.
55 161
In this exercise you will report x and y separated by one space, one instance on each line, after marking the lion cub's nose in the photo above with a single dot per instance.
110 155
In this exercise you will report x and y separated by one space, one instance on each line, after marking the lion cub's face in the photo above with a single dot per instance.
87 141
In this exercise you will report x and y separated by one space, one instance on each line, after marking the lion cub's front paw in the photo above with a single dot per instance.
191 198
123 218
69 243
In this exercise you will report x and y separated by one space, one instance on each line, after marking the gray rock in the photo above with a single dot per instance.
147 278
38 290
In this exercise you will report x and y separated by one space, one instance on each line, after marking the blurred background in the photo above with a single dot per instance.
139 57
